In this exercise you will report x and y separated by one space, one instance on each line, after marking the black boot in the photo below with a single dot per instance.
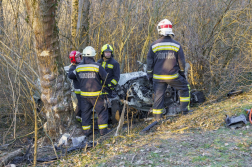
87 133
158 117
104 131
187 112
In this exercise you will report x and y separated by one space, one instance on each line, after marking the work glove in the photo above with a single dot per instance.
105 90
150 77
110 87
78 118
182 73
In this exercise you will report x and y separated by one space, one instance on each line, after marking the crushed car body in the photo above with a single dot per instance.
135 90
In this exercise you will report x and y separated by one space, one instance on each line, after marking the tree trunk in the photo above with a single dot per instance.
56 93
83 23
1 19
74 20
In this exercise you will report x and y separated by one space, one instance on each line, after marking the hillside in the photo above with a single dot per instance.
200 139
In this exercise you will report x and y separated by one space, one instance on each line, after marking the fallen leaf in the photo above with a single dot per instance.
121 163
139 162
108 145
157 151
150 162
207 154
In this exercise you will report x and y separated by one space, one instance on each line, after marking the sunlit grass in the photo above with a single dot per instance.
124 148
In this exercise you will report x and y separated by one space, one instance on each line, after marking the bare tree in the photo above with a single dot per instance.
1 19
56 94
83 23
215 36
74 20
80 23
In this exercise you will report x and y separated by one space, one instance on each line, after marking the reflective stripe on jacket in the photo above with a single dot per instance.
112 67
89 76
165 58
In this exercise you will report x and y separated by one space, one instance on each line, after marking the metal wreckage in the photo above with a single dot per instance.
136 91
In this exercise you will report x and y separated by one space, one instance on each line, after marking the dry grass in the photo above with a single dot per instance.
216 39
192 140
211 116
199 139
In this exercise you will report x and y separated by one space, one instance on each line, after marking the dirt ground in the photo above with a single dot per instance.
223 147
199 139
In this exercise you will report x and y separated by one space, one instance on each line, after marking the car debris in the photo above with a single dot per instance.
234 93
235 122
197 96
249 115
140 95
148 127
63 140
78 140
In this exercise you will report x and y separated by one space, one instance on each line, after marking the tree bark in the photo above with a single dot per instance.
1 19
56 93
4 160
83 23
74 20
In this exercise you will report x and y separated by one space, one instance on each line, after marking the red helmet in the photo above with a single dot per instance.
74 54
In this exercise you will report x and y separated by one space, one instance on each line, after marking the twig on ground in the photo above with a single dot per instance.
121 121
52 144
4 161
133 158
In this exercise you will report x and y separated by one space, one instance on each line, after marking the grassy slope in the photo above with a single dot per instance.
199 139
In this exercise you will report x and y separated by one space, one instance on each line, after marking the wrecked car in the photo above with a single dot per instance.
136 91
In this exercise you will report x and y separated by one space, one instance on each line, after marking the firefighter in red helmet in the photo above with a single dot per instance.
75 58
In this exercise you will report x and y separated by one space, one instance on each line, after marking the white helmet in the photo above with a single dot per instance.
89 51
164 28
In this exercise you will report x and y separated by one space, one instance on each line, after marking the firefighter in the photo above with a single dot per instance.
75 58
112 67
166 65
90 74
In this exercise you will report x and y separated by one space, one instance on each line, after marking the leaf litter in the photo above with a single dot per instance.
200 139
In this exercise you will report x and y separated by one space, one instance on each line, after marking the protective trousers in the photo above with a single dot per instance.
87 111
78 105
113 107
179 84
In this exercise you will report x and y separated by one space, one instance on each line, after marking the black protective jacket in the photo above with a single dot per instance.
112 67
165 58
90 76
73 77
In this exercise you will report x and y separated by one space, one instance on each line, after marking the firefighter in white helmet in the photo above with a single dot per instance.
90 74
166 65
